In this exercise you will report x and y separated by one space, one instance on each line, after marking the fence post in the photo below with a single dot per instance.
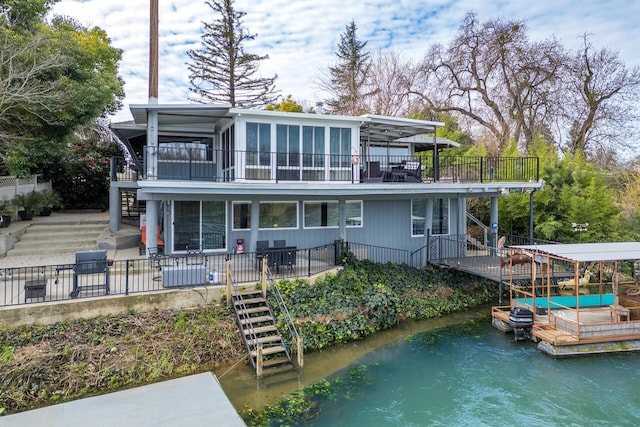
126 279
299 349
263 277
259 361
308 262
228 280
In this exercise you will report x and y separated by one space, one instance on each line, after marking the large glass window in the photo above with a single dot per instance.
258 144
278 215
313 146
288 148
440 223
340 146
288 145
327 214
199 225
241 215
353 212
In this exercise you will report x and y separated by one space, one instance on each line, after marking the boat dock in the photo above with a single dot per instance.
598 311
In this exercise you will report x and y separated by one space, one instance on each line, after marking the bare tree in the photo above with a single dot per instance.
27 91
601 101
494 76
390 80
221 70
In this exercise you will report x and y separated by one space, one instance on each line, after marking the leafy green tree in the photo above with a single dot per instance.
287 104
221 70
54 77
575 193
348 79
82 176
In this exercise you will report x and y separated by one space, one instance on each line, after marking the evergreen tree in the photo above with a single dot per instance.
221 71
349 78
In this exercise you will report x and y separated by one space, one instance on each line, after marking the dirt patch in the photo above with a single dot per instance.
42 365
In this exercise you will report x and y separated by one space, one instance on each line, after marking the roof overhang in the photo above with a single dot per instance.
378 129
193 190
588 252
181 114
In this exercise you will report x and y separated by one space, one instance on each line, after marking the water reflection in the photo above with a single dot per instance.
244 389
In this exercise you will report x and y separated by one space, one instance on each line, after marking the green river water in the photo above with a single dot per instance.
476 376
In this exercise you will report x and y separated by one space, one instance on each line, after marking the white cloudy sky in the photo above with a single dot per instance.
301 36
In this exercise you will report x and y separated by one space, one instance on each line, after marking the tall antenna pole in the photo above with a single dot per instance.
153 53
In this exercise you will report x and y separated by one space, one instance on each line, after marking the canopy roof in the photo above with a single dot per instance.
204 119
588 252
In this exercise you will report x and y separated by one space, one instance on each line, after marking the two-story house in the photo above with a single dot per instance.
215 178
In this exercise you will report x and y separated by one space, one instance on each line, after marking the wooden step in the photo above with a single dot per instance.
249 301
253 310
257 319
247 293
269 350
279 361
269 339
260 330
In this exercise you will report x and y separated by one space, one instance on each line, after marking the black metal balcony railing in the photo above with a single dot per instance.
204 164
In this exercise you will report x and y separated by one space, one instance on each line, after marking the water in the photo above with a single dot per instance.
481 377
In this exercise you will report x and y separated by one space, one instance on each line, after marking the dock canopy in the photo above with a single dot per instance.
588 252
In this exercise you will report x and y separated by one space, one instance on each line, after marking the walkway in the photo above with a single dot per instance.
193 401
58 256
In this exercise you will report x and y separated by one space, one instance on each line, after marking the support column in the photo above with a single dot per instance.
152 226
152 145
462 215
342 221
115 211
255 225
493 215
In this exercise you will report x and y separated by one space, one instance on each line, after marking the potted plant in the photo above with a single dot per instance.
6 213
28 204
50 200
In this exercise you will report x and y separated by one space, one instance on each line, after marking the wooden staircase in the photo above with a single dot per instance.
261 336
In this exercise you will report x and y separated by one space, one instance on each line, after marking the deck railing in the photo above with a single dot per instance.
54 283
205 164
60 282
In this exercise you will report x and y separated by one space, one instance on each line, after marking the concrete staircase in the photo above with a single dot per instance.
58 238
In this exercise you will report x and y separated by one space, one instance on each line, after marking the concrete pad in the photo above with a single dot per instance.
196 400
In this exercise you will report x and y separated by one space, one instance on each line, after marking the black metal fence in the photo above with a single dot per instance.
205 164
51 283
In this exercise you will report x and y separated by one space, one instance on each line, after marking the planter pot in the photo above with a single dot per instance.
45 211
5 220
26 216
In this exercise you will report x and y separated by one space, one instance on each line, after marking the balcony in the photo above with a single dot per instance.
204 164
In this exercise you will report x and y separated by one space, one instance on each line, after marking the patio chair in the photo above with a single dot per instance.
262 246
279 243
374 174
142 246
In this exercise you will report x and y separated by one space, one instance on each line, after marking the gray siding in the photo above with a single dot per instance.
386 223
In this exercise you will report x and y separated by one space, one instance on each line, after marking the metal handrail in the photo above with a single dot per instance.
289 324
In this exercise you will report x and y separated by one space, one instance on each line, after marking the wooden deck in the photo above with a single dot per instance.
488 267
567 327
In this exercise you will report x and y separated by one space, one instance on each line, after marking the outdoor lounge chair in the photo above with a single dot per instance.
142 246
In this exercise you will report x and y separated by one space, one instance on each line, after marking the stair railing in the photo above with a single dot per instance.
485 228
232 287
296 338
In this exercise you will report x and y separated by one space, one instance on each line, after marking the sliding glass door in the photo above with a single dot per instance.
199 225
